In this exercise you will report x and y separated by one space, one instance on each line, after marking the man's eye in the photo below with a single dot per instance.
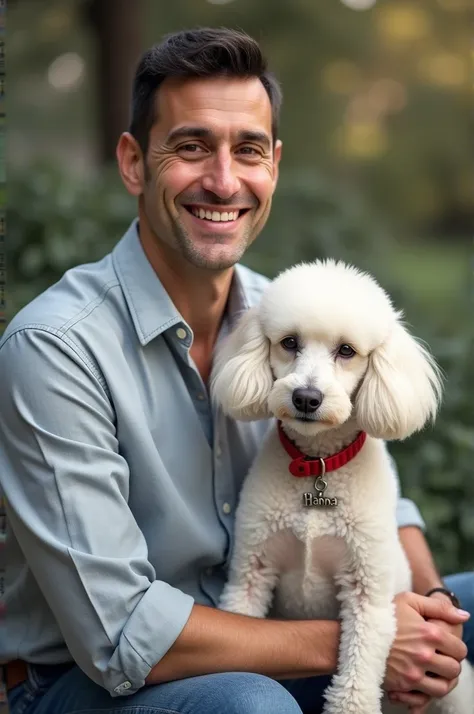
346 351
191 148
249 151
289 343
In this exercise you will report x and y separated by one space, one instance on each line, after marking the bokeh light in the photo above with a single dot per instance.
361 140
444 69
387 96
403 23
341 77
359 4
66 72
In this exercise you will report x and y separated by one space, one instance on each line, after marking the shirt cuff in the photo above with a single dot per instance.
409 515
150 631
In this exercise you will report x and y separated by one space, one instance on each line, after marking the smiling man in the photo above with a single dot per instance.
121 477
193 199
205 189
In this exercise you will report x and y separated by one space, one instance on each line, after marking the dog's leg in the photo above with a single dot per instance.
252 580
368 625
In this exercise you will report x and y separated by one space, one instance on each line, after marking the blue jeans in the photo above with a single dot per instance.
50 690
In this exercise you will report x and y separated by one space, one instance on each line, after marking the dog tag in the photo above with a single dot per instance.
320 486
310 499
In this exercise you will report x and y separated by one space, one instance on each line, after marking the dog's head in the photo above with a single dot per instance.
326 343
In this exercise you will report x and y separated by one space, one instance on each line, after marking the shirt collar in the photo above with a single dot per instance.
150 306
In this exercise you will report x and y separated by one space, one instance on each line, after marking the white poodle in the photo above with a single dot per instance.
316 536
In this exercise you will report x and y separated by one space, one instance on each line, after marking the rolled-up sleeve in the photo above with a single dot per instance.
408 513
66 486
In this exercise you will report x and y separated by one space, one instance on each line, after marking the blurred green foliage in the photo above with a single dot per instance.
56 221
436 465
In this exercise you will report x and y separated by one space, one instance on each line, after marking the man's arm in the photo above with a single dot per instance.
425 574
410 530
66 485
216 641
425 577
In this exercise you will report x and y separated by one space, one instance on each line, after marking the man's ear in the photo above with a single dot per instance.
131 163
276 162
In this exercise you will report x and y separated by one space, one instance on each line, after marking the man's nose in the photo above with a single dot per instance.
220 177
307 400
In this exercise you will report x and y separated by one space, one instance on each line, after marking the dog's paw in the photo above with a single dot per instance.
243 600
242 608
240 604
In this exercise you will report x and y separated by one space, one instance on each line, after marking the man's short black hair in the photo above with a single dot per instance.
201 52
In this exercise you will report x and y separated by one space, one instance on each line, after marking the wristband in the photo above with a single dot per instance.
448 593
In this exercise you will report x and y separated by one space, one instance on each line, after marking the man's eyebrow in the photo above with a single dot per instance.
189 132
259 137
201 132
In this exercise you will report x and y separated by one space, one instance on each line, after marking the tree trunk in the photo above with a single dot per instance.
118 25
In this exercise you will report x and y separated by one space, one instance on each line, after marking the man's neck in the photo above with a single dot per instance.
199 295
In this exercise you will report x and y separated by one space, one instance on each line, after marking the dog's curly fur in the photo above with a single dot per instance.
347 562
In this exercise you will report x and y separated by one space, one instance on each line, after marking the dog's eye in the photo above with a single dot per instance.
289 343
346 351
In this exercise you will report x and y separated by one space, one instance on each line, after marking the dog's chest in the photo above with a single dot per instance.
308 568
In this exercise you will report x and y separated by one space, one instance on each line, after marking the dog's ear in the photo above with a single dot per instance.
401 390
241 378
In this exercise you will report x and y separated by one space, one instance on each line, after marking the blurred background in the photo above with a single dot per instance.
378 169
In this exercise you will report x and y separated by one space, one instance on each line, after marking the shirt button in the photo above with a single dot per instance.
200 396
122 687
181 333
226 508
218 451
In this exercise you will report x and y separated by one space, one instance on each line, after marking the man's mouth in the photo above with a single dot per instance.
215 216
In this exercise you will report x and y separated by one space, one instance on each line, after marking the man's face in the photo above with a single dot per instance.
211 168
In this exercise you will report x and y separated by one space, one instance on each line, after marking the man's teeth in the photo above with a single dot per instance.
215 215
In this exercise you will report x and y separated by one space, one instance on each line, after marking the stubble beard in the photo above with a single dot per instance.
197 255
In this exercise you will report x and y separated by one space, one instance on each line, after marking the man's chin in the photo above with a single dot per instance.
213 244
215 255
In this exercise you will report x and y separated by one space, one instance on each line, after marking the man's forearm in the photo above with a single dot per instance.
217 641
425 574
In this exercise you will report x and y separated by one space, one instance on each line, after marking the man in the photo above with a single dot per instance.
121 477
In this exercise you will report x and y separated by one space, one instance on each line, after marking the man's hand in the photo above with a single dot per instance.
427 640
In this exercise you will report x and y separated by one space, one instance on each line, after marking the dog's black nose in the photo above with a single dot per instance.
307 400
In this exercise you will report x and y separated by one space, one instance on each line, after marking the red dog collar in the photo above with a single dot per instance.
303 465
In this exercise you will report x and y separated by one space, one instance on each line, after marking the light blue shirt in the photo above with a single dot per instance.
120 477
